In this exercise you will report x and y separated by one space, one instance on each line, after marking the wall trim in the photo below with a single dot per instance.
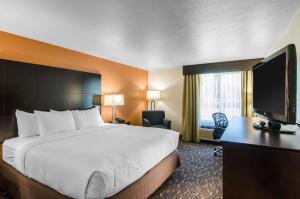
219 67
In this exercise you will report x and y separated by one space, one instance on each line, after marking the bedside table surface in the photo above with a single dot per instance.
125 122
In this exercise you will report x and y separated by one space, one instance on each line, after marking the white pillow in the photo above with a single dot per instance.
87 118
27 124
50 123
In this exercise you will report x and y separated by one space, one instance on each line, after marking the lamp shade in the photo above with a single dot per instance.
153 95
114 100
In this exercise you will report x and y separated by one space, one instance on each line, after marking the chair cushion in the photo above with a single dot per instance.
158 126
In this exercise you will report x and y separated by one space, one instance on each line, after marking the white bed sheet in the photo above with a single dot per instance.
10 146
92 163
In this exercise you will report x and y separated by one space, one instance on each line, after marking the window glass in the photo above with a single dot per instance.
220 92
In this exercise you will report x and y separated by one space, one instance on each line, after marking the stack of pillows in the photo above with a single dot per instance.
49 123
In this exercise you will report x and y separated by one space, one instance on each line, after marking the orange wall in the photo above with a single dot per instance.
116 77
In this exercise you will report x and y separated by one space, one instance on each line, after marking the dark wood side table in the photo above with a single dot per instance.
260 165
125 122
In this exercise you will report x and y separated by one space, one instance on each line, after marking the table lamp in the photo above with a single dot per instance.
113 101
152 96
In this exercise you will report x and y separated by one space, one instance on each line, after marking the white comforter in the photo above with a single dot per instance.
111 156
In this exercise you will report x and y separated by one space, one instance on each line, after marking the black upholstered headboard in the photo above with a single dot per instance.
31 87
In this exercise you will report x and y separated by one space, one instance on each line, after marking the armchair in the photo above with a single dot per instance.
155 119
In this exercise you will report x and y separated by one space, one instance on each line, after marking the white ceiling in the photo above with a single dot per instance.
153 34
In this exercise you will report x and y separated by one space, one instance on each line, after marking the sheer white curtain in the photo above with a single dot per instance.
220 92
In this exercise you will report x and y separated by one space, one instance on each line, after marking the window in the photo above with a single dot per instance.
220 92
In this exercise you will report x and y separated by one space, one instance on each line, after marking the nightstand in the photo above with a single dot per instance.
125 122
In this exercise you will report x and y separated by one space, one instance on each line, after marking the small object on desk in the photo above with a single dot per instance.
274 125
262 126
290 128
262 123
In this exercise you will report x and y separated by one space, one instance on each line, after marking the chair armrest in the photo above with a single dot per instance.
167 123
146 123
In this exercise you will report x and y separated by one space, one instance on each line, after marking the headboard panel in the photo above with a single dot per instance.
31 87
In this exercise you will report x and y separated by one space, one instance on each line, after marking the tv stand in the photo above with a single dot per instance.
259 165
273 127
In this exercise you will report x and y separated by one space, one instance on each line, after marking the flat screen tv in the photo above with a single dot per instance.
274 86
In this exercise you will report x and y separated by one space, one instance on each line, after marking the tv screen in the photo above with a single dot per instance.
275 86
269 86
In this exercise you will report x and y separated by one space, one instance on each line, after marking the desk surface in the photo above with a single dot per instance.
240 131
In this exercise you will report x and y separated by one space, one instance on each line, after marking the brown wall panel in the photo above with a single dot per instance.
116 77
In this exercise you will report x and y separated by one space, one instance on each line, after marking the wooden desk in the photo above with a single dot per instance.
260 165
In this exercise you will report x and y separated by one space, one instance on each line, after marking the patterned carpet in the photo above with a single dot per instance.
200 175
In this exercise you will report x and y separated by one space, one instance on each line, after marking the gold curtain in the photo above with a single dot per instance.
191 106
247 92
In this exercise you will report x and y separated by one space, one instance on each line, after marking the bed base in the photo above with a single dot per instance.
19 186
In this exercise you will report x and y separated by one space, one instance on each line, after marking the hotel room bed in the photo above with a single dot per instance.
94 163
116 161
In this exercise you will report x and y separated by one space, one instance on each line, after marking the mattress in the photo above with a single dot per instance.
10 146
94 163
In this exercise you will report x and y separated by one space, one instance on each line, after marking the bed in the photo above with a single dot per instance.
123 155
111 161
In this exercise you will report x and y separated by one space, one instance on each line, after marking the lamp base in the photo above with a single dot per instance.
152 105
113 113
